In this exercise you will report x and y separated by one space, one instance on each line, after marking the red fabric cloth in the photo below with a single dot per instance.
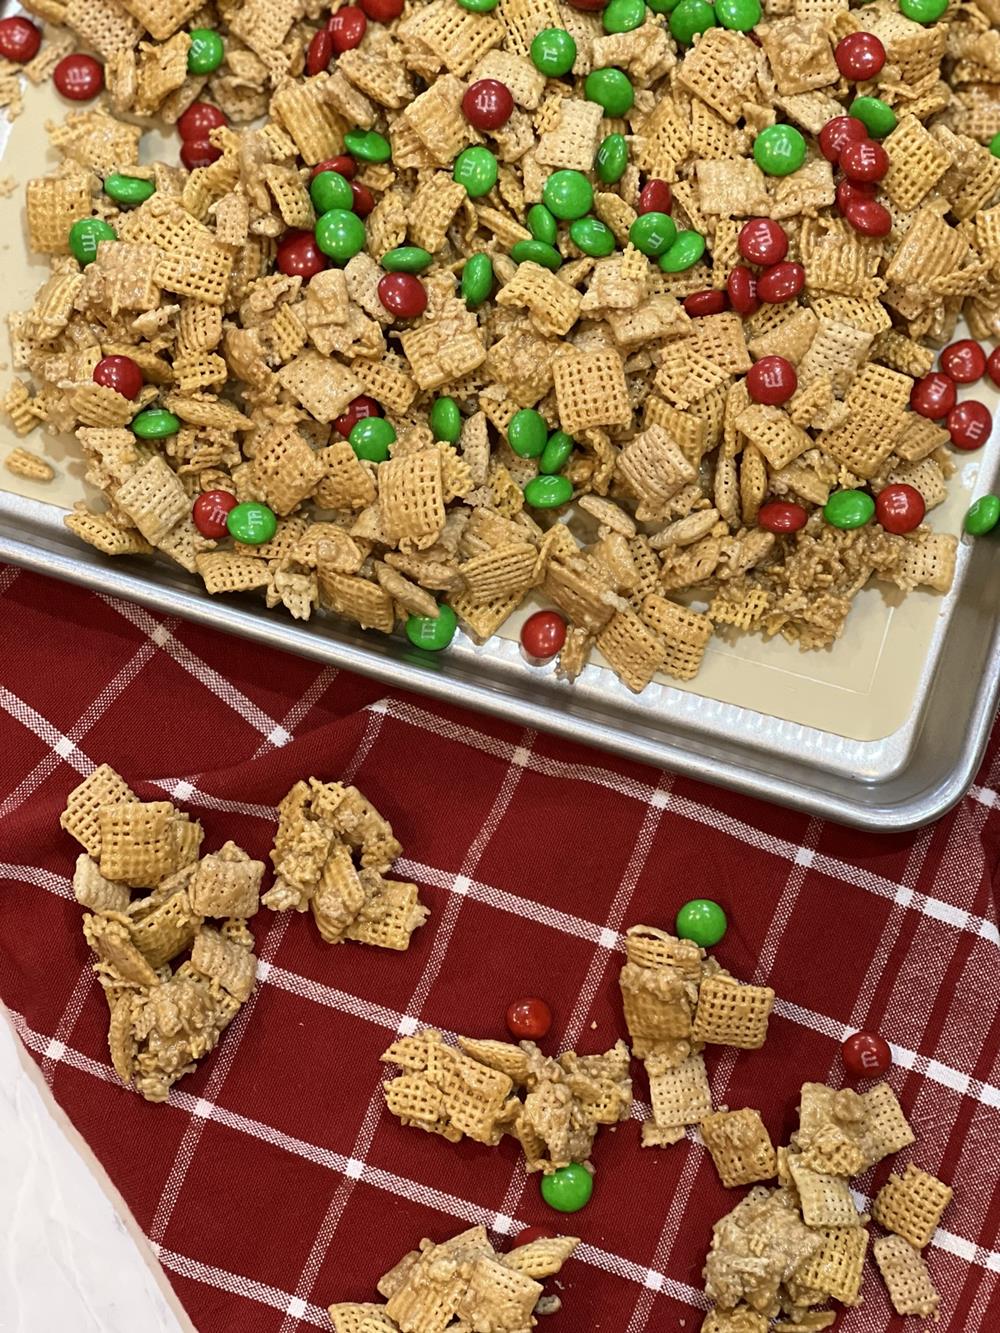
274 1182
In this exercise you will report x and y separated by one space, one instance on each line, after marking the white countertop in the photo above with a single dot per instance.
68 1256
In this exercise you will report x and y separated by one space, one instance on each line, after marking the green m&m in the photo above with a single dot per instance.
85 236
367 146
689 18
611 159
624 15
206 52
611 89
662 6
251 523
702 921
445 420
556 453
995 145
779 150
154 423
923 11
407 259
548 492
983 516
568 194
684 253
568 1189
476 169
541 224
127 190
593 237
433 632
527 433
370 438
653 233
340 234
477 279
877 116
849 509
537 252
330 190
738 15
479 6
553 52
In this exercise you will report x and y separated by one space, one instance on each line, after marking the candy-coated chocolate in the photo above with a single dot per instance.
702 921
343 164
340 234
707 302
689 18
85 235
611 89
127 191
859 56
655 197
923 11
319 54
779 150
866 1055
206 52
479 6
548 492
433 633
781 516
612 157
934 395
199 119
781 282
553 52
537 252
358 409
900 508
837 133
367 146
541 224
653 233
993 366
362 199
197 153
969 424
119 373
849 509
210 513
78 77
370 438
19 39
346 28
762 241
476 168
741 288
738 15
772 380
382 11
588 6
850 192
154 423
330 190
624 15
864 160
477 279
568 1189
868 217
251 523
527 433
964 361
407 259
568 194
487 104
556 453
529 1019
593 237
983 516
877 116
685 252
445 419
299 256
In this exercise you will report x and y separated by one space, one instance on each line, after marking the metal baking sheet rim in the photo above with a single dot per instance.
920 775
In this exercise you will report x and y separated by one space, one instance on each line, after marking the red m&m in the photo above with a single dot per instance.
868 217
320 53
900 508
866 1055
529 1019
741 287
198 119
487 104
762 241
357 410
933 396
993 366
19 39
119 373
199 153
382 11
364 200
655 197
781 282
346 28
837 133
859 56
964 361
969 424
848 192
772 380
78 77
211 512
543 635
865 160
707 302
299 256
781 516
403 295
344 165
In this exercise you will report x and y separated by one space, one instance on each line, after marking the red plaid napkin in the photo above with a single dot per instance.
274 1182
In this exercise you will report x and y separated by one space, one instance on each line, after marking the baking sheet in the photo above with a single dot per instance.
853 714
